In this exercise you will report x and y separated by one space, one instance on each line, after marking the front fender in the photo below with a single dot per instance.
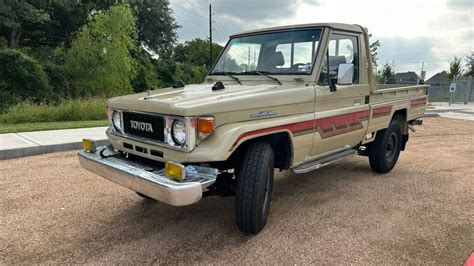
227 138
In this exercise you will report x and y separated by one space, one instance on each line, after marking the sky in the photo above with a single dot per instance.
410 32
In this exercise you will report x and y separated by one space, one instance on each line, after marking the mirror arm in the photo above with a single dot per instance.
332 85
327 68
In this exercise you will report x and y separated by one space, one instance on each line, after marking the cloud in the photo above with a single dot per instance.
410 53
459 4
233 16
410 31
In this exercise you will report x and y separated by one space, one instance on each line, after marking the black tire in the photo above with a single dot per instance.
254 188
384 151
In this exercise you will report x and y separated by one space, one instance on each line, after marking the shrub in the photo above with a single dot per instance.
3 42
146 78
190 74
69 110
7 99
59 81
21 78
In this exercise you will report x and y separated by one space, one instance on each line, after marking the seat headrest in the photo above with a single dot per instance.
273 60
335 61
278 59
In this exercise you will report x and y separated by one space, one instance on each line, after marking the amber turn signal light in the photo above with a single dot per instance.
206 126
89 145
175 171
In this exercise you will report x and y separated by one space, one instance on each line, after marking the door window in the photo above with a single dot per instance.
342 49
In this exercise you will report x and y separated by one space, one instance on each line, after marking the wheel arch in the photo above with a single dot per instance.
281 143
401 116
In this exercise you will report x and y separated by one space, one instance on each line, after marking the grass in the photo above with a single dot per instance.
25 127
79 113
66 111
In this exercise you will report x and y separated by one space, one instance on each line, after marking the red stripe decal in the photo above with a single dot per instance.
382 111
417 103
326 126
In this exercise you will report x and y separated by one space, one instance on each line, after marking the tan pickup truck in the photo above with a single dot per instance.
289 98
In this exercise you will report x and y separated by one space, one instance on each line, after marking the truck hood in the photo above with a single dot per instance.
202 100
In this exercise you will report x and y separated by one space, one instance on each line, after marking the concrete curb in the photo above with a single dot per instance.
431 115
43 149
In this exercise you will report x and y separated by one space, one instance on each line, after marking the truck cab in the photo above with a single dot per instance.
290 98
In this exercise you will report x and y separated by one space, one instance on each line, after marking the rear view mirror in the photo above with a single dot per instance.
345 74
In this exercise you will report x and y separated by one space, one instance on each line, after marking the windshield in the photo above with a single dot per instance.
289 52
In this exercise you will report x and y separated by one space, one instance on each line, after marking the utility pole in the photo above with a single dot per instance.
248 61
210 36
422 75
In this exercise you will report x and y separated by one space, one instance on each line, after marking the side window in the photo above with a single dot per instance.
343 49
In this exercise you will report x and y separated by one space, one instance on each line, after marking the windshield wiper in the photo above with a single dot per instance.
263 74
229 74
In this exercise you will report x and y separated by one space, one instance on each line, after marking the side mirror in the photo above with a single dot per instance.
345 73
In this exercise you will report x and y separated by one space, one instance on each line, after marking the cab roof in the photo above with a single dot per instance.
337 26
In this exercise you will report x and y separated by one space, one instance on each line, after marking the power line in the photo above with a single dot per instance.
222 31
226 30
195 16
198 7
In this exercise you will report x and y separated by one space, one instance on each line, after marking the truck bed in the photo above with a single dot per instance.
388 99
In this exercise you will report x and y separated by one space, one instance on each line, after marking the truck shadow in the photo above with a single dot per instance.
207 227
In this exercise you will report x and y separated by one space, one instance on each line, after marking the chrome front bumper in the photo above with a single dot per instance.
146 179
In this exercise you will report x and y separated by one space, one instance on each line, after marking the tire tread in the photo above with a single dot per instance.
248 184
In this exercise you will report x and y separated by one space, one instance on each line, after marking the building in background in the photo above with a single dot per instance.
439 79
410 78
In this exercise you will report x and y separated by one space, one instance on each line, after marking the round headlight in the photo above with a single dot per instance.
178 132
117 120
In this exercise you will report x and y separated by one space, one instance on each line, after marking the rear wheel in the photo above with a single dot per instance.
384 151
254 188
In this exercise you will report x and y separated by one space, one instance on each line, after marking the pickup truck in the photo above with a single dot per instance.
289 98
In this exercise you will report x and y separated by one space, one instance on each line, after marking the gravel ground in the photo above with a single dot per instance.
52 211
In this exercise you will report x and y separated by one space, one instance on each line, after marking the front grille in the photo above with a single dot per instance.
144 125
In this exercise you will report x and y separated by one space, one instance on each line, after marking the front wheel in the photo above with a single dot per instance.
254 188
384 151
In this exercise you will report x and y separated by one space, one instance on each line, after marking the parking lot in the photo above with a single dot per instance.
52 211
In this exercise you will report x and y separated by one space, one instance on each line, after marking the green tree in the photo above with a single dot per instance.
387 74
166 69
21 78
455 68
196 52
147 77
3 42
190 74
16 15
157 26
100 60
66 18
374 46
469 66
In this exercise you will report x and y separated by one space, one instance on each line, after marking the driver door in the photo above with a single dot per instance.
341 112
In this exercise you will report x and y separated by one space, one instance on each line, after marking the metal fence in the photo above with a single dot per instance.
464 91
